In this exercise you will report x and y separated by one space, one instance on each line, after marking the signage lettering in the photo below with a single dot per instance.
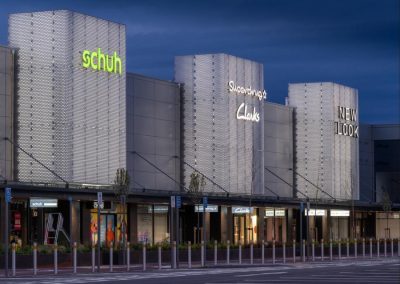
101 62
340 213
43 203
278 212
241 210
243 114
233 88
346 126
315 212
209 208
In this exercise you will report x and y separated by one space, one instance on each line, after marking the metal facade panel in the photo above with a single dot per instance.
153 131
278 149
6 112
225 149
327 159
70 118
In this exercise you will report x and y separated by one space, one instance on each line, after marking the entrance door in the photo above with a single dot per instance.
239 228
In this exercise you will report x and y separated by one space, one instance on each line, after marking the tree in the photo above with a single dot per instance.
196 187
387 207
121 189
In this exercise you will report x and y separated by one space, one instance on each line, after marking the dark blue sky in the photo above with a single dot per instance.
355 43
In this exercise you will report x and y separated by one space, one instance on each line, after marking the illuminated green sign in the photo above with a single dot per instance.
100 61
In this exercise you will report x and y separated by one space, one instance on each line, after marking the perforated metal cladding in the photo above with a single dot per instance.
225 149
70 118
326 159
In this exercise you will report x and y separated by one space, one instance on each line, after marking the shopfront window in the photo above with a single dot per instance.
152 223
244 224
112 220
17 210
275 224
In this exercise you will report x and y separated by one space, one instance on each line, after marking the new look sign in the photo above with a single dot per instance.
99 61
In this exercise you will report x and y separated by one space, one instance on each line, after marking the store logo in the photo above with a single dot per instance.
101 62
346 126
233 88
242 113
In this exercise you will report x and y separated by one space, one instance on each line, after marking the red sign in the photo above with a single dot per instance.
17 221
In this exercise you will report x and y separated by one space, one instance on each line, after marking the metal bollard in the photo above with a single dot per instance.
330 250
228 252
215 252
55 260
173 260
384 247
313 250
74 256
294 251
189 254
370 248
262 251
159 256
273 251
391 247
363 247
251 253
203 261
144 255
378 248
128 256
340 249
93 257
284 251
240 252
304 251
322 249
111 256
34 258
348 247
355 248
13 259
398 247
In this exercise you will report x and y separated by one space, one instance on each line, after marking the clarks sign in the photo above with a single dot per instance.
99 61
244 111
347 122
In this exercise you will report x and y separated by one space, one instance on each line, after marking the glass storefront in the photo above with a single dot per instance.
339 224
17 217
275 224
112 221
152 223
244 224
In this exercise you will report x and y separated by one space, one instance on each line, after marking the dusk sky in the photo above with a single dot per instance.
355 43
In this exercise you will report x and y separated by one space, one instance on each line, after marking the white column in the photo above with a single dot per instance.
74 256
111 256
144 257
189 254
215 252
34 258
159 256
240 252
128 256
273 251
228 252
294 251
322 249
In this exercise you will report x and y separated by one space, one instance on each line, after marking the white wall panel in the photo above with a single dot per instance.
215 142
325 158
70 118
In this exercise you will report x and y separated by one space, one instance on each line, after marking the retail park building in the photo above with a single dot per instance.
71 115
